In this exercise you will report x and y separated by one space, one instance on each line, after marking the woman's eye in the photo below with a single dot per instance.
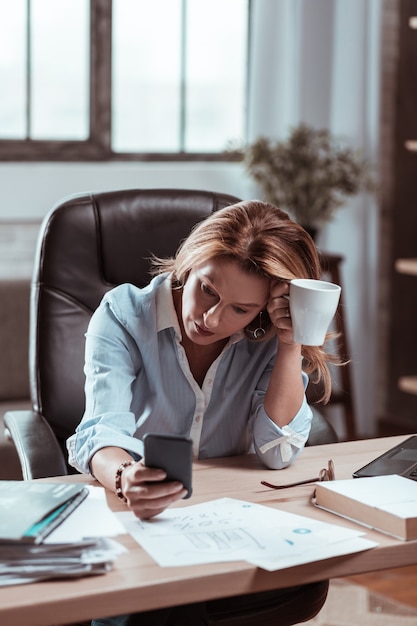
207 289
240 311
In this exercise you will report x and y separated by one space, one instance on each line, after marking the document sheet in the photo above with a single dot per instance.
228 530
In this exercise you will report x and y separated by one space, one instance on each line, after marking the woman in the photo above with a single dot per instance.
205 350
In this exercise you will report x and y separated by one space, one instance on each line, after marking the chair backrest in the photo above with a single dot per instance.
87 245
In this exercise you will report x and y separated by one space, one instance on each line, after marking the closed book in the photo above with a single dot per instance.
30 511
384 503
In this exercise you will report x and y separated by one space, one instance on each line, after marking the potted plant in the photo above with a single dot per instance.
308 175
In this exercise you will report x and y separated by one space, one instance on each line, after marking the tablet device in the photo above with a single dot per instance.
401 459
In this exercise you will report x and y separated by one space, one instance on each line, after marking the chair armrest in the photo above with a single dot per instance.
37 447
322 431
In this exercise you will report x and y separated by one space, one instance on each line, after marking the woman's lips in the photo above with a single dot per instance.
201 331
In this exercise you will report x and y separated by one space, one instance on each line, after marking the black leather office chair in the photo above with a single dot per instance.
87 245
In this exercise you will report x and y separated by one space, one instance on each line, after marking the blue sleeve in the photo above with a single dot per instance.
278 447
112 362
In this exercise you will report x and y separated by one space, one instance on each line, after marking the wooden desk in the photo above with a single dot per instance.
137 583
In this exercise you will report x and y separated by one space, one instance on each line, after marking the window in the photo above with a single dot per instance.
122 79
44 71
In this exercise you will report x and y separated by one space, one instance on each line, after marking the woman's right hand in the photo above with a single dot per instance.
146 495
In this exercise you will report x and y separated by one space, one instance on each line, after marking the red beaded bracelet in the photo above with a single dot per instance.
118 479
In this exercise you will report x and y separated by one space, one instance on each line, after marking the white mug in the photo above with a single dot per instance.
313 304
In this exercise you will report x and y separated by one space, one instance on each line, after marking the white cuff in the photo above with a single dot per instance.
284 442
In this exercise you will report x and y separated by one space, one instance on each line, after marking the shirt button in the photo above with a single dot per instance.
198 418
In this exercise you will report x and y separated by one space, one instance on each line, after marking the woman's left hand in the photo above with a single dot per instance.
279 311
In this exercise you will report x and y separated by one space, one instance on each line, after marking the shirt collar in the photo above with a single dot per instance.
166 316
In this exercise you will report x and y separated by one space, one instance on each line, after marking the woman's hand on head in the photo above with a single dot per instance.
279 310
146 495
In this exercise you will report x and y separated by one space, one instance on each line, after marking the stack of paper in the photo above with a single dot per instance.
23 563
34 546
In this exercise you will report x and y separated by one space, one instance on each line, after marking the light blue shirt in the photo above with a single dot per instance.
138 380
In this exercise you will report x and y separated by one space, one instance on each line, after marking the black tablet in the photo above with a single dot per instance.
401 459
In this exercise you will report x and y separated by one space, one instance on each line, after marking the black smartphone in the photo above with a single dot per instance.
172 453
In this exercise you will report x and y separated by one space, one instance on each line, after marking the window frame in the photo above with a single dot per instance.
97 147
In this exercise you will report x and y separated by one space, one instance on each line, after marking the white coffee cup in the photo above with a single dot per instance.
313 304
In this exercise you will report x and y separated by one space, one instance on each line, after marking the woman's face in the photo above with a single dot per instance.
220 299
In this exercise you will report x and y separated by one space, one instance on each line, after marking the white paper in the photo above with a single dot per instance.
341 548
230 530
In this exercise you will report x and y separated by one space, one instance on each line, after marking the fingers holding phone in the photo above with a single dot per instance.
148 492
162 477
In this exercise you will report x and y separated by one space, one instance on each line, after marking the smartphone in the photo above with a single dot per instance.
172 453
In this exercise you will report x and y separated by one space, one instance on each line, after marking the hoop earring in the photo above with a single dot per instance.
259 332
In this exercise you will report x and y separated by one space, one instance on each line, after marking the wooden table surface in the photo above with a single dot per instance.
137 583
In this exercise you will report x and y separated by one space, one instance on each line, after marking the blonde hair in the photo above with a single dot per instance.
262 240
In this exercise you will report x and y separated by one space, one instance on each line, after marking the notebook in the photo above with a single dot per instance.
401 459
30 510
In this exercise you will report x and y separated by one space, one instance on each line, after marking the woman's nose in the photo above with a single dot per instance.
211 318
